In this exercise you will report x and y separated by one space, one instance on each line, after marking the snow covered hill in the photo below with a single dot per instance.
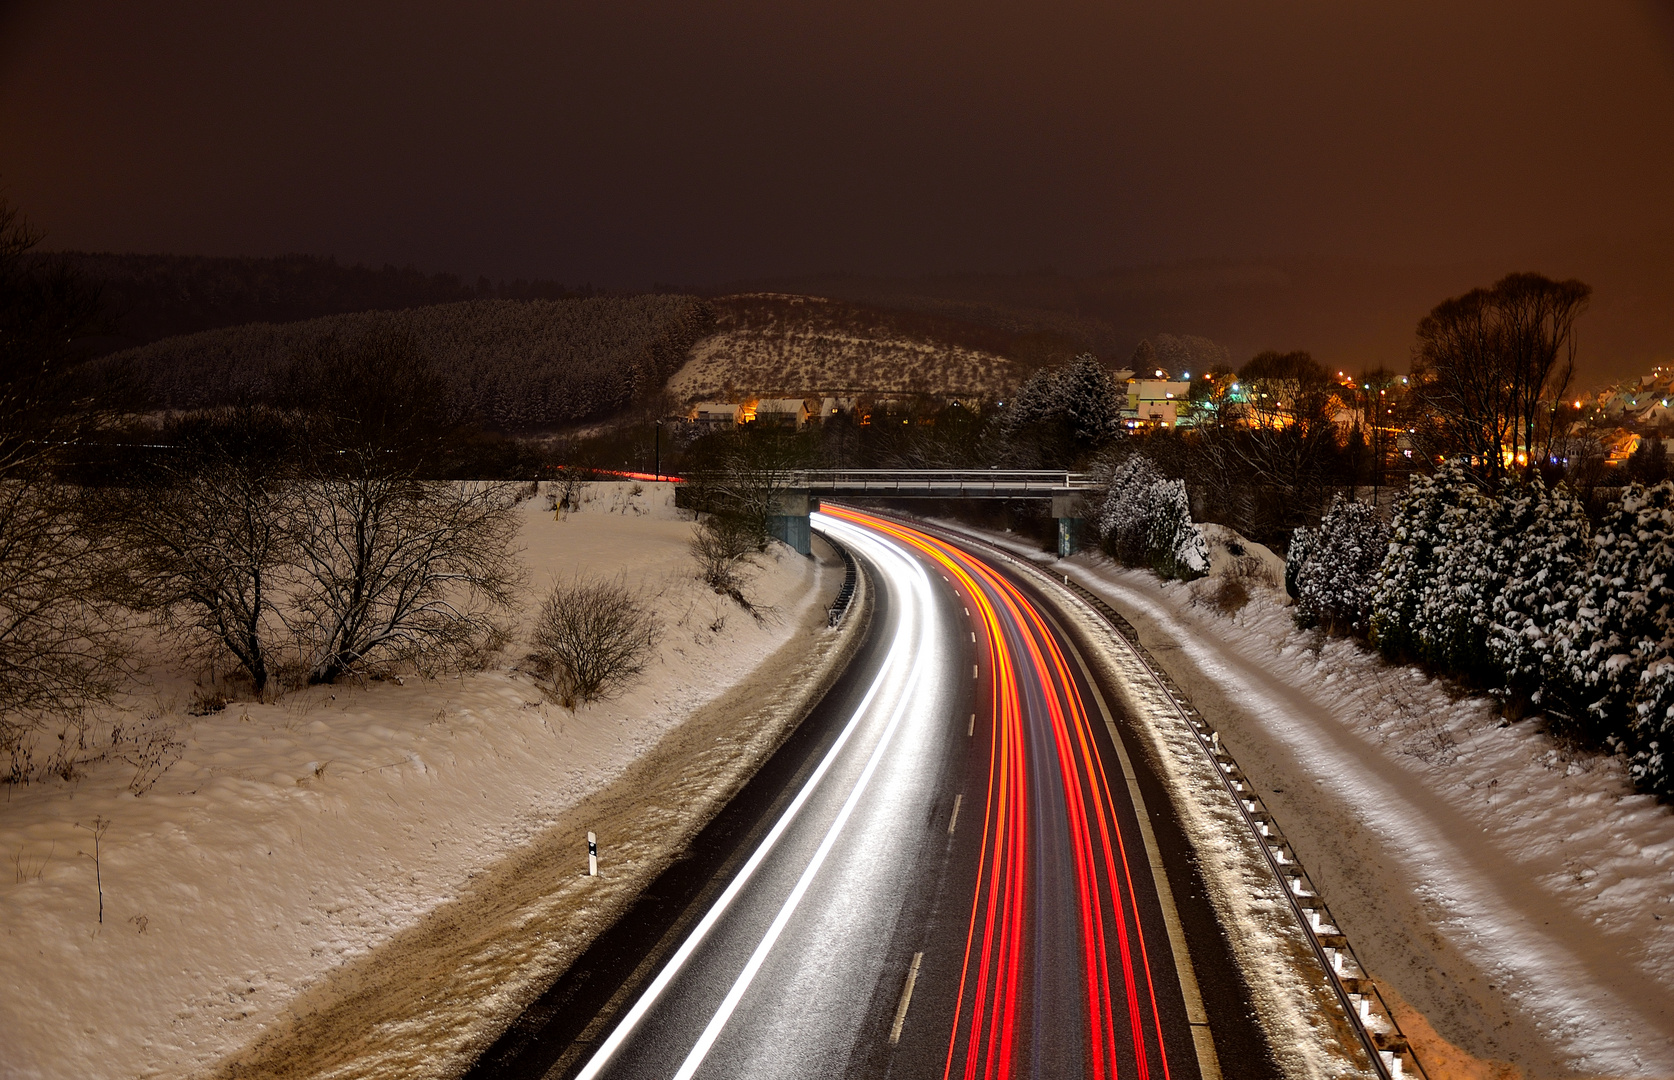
769 345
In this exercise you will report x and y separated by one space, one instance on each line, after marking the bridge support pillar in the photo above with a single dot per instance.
1069 536
787 519
1070 510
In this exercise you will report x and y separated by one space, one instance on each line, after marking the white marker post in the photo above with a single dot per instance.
592 855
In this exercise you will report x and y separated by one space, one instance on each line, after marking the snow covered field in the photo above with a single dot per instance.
285 840
1514 893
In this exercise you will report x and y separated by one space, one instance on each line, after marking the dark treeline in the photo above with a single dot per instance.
150 297
512 365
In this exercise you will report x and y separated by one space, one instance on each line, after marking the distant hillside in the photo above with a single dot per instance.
159 296
517 365
779 345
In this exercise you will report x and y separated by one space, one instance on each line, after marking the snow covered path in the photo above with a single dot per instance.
1518 897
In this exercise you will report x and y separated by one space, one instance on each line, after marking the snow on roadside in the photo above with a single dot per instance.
288 838
1536 863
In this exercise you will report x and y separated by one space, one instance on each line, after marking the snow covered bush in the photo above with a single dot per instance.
1146 520
1450 621
1124 517
1337 568
1613 650
1552 542
1296 556
1409 564
1652 731
1177 548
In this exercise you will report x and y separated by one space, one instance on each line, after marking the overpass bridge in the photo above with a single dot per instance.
801 491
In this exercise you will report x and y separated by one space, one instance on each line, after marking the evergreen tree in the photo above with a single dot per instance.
1652 733
1617 638
1552 549
1065 415
1177 548
1337 572
1410 561
1450 622
1124 517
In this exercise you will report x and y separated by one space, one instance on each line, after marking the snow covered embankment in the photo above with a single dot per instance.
290 839
1515 894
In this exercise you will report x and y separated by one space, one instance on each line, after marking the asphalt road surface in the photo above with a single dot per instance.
942 875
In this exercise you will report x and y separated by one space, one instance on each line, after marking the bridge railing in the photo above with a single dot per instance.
973 481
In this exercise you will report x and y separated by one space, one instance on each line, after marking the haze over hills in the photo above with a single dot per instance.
951 335
1350 316
155 296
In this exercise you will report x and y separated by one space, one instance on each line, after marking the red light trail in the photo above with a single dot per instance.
988 1036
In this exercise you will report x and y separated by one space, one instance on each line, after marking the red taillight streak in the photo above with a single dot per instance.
1107 826
990 1038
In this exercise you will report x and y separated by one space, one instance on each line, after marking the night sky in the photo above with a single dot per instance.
631 141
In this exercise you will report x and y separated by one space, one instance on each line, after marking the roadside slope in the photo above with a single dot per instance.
284 841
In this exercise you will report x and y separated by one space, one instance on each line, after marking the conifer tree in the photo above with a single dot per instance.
1618 636
1450 624
1338 573
1410 561
1124 516
1552 549
1177 548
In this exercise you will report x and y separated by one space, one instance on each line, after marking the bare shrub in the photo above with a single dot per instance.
151 752
206 703
725 548
565 488
592 638
1228 594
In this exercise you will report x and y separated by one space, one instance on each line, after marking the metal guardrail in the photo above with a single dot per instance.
840 605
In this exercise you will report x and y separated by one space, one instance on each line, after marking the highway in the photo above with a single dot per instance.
944 877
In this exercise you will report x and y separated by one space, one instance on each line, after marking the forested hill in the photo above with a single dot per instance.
158 296
516 365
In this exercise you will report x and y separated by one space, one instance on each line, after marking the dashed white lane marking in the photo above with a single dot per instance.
906 999
971 730
954 820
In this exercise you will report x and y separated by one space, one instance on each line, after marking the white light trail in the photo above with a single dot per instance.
901 569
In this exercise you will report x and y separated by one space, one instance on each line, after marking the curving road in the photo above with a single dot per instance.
943 875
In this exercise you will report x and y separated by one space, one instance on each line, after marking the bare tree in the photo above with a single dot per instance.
210 533
61 645
593 637
1490 367
62 641
743 475
392 564
1271 457
397 567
